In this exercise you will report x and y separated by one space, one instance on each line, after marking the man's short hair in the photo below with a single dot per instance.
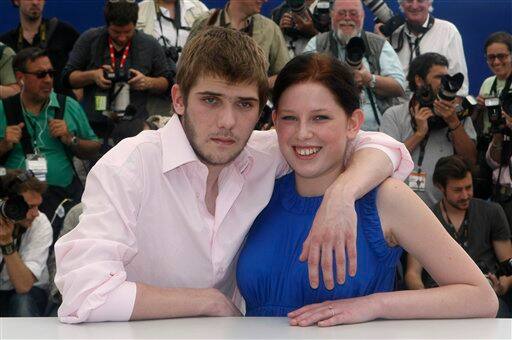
19 63
226 54
121 13
504 38
421 65
450 167
19 181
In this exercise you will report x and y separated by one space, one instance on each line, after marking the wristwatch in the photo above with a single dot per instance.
8 249
74 140
373 82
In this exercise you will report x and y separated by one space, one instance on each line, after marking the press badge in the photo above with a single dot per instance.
417 181
100 102
38 165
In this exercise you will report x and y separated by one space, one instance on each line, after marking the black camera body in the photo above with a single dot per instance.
172 54
494 106
12 205
118 76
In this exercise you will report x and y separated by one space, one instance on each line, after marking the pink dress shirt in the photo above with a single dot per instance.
145 219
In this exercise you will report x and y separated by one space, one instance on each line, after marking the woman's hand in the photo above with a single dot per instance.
331 313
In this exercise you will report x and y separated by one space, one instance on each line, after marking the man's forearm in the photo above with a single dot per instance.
20 276
162 303
388 87
159 85
7 91
79 79
86 149
463 145
367 168
412 142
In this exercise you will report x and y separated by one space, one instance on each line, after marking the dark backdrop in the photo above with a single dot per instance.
475 19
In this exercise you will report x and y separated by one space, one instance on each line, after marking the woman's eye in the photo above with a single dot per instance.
321 117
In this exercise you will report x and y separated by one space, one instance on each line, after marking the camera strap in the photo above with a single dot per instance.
112 53
462 235
175 22
414 47
506 88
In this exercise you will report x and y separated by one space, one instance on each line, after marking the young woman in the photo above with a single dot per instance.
317 115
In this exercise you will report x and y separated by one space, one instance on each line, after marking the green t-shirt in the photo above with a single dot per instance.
6 72
58 156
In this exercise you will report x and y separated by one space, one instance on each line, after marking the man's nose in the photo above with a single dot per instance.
226 118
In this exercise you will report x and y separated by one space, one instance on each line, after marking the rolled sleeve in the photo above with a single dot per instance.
396 151
311 46
37 245
91 259
390 64
79 57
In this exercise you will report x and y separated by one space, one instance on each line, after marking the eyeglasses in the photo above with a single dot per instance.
43 74
411 1
344 13
500 56
114 1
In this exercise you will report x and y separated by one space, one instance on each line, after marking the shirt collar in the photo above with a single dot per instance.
425 25
177 151
228 19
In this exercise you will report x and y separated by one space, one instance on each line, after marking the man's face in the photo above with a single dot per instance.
34 200
347 18
218 117
416 11
251 7
121 35
37 79
31 9
458 192
434 76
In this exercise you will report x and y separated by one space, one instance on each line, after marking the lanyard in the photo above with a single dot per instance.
462 236
175 22
506 88
113 54
42 36
423 146
415 51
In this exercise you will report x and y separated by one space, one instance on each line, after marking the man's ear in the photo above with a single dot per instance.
419 82
20 78
178 102
354 123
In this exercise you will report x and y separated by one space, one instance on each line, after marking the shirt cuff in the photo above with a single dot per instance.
118 306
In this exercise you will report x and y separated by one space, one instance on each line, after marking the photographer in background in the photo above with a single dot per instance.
423 33
41 131
378 73
430 127
479 226
300 20
25 244
118 67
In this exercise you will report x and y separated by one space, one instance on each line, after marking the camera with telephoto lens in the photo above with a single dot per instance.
355 52
298 7
425 96
385 15
12 205
119 93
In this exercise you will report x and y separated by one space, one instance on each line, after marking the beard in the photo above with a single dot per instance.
210 158
345 38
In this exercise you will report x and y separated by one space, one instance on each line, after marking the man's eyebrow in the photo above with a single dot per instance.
216 94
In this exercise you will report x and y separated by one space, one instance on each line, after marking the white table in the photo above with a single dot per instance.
254 328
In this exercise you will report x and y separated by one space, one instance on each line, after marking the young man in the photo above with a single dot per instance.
165 213
480 227
25 245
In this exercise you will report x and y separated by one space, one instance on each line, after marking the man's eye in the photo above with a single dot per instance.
210 100
246 105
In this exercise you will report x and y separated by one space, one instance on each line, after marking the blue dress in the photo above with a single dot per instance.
270 276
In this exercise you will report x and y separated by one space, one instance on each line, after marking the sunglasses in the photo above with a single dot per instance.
501 57
43 74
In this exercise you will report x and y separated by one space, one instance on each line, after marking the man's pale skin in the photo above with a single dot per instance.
347 19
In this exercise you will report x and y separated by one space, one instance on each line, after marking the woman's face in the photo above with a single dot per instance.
313 131
499 60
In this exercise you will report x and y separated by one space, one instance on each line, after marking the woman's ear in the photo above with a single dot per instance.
178 102
274 117
354 123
